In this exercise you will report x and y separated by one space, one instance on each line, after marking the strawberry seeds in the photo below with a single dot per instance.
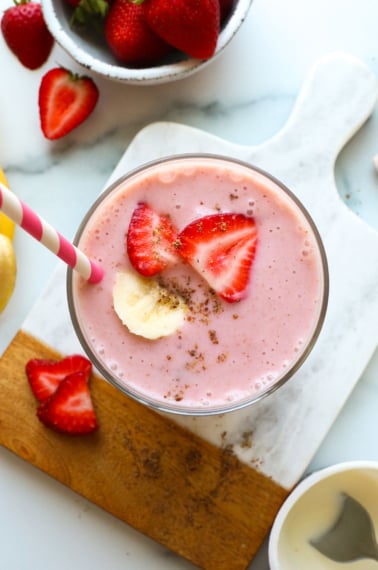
141 33
61 388
26 34
220 247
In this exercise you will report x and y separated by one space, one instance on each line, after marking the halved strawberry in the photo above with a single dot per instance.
151 241
70 409
221 247
45 375
65 100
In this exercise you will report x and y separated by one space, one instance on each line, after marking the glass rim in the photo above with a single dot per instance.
231 406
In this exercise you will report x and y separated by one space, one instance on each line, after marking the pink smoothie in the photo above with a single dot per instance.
225 354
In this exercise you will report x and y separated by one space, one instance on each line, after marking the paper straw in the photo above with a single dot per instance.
34 225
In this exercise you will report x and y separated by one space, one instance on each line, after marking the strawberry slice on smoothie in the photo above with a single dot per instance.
221 248
151 241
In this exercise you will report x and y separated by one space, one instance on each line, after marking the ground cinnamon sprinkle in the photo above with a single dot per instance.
233 197
213 337
179 396
202 303
202 308
222 357
196 359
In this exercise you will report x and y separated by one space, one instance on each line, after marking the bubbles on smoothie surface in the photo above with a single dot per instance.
251 208
236 175
307 250
167 175
299 344
214 346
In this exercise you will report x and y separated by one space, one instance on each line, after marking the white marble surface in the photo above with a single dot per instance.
288 426
245 97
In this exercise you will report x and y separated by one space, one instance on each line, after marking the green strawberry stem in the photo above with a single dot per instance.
90 13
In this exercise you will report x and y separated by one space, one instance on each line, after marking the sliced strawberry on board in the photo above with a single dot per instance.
26 34
191 26
221 247
70 409
45 375
151 241
65 100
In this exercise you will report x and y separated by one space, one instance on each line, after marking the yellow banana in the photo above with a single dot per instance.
7 270
7 226
7 257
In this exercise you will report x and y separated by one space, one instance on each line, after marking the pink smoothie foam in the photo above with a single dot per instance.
225 354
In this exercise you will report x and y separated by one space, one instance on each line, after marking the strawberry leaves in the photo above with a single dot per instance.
89 13
142 33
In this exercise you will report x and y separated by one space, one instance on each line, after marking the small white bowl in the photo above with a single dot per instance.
312 508
93 54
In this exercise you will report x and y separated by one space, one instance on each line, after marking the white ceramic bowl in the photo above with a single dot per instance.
311 509
92 53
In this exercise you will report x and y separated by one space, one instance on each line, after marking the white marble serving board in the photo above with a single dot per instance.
280 434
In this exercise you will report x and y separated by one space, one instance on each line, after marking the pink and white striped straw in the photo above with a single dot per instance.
34 225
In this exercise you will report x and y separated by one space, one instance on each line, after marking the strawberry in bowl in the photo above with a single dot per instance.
144 41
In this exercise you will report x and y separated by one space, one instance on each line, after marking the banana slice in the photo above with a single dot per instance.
146 308
7 270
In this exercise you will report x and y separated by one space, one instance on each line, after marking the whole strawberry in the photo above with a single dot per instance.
65 100
191 26
130 38
26 33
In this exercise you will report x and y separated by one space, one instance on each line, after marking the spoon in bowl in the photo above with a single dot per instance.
351 537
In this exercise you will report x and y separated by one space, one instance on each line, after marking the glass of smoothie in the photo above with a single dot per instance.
215 286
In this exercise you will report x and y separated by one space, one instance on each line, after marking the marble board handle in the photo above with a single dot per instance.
338 96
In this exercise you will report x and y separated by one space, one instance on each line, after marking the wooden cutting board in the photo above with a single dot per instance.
209 488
